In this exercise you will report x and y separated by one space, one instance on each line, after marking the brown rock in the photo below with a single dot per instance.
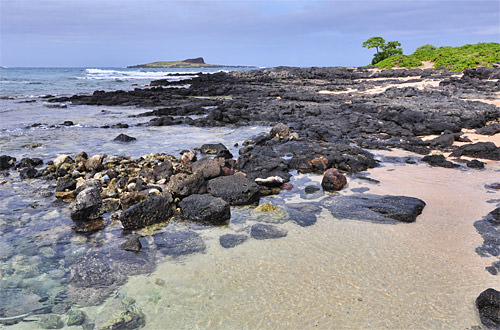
333 180
320 163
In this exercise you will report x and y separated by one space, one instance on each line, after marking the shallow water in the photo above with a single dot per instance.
340 274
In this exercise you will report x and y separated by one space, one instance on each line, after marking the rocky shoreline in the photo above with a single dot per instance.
324 121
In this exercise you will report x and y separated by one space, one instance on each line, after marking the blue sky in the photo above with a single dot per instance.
247 32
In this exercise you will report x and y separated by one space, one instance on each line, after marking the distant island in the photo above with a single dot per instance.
197 62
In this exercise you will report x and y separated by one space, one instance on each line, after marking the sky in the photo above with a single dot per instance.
117 33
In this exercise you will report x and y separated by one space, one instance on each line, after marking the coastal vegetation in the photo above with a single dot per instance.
453 58
386 50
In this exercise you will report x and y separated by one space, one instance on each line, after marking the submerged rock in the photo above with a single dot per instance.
179 243
235 189
262 231
206 209
132 244
76 317
231 240
152 210
488 304
377 208
51 321
128 317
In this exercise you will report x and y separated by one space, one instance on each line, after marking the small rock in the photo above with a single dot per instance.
28 173
267 207
235 189
132 244
280 130
333 180
231 240
217 149
61 160
65 184
475 164
207 167
188 156
311 189
488 304
94 163
76 317
263 231
124 138
182 184
51 321
89 226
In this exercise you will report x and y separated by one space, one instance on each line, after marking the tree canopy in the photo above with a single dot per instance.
386 49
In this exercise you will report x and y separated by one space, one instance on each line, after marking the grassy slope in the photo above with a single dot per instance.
454 58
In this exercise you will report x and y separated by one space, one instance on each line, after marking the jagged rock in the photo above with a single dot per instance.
28 173
333 180
235 189
206 209
152 210
231 240
263 231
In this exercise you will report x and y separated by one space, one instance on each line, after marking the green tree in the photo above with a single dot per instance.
426 48
386 49
374 42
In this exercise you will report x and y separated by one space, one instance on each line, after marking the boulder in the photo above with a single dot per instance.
231 240
235 189
217 149
124 138
206 209
488 304
62 159
375 208
333 180
87 205
475 164
263 231
208 168
439 160
28 173
486 150
6 162
183 184
152 210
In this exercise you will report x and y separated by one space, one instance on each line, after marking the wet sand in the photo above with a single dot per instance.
340 274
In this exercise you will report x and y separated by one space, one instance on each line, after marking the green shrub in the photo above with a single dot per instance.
454 58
